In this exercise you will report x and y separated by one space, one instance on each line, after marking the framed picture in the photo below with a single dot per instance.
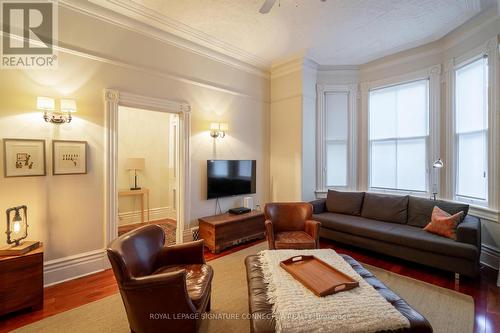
23 157
69 157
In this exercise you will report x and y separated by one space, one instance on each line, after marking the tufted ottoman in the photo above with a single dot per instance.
261 310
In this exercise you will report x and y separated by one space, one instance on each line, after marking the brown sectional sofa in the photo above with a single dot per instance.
392 225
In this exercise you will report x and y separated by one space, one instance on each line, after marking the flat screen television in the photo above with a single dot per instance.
230 177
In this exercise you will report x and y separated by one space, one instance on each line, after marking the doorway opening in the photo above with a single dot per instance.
147 170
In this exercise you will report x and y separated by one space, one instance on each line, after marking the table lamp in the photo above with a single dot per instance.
135 164
17 230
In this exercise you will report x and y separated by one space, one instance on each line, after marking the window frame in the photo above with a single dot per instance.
396 139
321 158
433 73
455 136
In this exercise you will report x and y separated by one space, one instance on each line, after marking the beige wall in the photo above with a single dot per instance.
286 137
66 212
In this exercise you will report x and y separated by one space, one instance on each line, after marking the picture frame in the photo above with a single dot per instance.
69 157
24 158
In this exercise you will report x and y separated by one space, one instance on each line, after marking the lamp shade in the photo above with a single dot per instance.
223 127
214 126
45 104
68 105
135 163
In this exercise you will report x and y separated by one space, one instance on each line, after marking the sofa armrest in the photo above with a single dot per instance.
319 206
186 253
469 231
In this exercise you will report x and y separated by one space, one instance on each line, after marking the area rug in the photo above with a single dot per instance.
446 310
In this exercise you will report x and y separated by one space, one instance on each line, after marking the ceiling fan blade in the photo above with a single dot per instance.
267 6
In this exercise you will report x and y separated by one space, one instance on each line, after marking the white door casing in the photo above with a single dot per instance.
113 99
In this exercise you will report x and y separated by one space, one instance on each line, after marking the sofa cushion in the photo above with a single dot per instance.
344 202
444 224
394 233
420 210
383 207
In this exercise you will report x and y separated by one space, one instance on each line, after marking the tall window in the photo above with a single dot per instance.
471 131
398 135
336 138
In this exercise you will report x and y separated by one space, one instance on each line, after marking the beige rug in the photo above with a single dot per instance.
446 310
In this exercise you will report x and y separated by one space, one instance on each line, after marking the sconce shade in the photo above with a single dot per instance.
218 130
135 163
438 164
68 105
45 104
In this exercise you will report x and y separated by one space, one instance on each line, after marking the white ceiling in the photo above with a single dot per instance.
335 32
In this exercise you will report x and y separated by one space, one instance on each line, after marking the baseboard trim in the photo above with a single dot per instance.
75 266
154 214
490 256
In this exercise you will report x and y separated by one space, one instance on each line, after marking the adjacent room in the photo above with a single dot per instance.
147 170
250 166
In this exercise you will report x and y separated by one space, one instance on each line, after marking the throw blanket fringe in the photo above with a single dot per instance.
297 309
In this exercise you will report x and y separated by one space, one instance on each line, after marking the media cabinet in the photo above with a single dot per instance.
225 230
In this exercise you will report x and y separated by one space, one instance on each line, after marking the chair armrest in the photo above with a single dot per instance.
147 294
319 206
186 253
312 228
469 231
270 234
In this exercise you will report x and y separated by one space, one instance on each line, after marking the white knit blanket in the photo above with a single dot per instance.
297 309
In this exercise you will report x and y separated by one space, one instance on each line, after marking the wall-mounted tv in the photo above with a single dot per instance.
230 177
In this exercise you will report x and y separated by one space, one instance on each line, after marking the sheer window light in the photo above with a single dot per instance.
398 135
336 138
471 131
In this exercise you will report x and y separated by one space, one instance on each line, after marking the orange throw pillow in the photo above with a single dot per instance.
444 224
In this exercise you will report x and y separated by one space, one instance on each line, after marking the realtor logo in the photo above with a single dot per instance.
29 34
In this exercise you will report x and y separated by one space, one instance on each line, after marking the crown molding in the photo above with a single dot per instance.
291 65
166 30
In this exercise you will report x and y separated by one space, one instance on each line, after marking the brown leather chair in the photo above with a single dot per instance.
164 289
290 226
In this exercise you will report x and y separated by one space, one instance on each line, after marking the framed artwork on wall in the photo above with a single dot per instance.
23 157
69 157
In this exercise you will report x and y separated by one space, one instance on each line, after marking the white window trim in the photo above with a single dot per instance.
352 93
433 74
491 50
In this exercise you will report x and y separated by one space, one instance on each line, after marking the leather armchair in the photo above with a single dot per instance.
164 289
290 226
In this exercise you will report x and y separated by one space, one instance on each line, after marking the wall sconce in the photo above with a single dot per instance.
218 130
17 230
51 115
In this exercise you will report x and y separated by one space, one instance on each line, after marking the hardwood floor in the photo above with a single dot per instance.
71 294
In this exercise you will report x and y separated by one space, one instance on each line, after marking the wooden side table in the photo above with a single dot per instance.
21 281
143 193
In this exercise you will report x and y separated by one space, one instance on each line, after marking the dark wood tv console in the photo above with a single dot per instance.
225 230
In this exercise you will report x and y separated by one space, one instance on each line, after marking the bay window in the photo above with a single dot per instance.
399 137
471 131
336 138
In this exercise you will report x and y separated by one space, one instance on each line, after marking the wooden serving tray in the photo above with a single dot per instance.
316 275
